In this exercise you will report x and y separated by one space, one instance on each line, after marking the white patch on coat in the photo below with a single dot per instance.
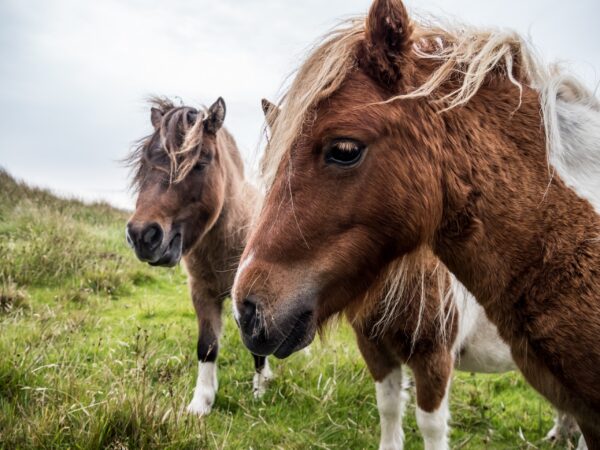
575 141
261 380
434 425
241 267
392 397
206 389
478 346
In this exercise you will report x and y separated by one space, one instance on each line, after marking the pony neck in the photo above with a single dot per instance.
513 220
226 237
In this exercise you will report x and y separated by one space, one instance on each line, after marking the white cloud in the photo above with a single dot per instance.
73 75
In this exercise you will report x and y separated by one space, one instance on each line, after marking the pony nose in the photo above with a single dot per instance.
152 236
145 240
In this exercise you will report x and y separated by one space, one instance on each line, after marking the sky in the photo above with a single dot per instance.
74 74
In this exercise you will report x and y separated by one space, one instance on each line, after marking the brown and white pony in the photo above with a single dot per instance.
417 314
194 204
398 136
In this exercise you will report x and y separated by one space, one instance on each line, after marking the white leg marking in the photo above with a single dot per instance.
564 427
206 389
391 401
434 425
261 380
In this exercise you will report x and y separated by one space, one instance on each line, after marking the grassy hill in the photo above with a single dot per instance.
98 351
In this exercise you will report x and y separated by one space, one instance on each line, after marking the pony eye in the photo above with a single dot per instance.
344 152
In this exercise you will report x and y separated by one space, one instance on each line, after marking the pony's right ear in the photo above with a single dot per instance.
215 116
388 39
271 112
156 116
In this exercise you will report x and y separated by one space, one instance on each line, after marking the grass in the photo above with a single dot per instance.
98 351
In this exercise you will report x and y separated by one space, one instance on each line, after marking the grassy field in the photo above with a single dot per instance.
98 351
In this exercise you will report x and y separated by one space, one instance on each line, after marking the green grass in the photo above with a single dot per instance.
98 351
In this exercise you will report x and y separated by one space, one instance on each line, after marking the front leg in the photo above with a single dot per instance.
209 321
564 427
390 389
262 375
432 375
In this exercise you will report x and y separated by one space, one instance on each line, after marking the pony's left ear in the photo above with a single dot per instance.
388 39
215 116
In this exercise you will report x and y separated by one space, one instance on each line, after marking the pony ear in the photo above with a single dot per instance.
156 116
271 112
215 116
388 38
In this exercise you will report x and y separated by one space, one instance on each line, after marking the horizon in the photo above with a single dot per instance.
74 76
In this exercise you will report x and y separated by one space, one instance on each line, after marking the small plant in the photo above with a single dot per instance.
12 298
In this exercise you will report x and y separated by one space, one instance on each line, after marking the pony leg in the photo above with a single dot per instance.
208 349
392 397
262 375
390 391
432 379
564 427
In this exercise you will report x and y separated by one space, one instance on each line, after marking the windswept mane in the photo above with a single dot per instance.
178 135
466 56
462 53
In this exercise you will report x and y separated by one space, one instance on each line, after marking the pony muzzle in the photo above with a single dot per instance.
153 246
279 336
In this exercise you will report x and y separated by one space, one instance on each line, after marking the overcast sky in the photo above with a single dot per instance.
74 74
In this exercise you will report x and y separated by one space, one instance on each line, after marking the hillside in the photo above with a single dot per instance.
98 351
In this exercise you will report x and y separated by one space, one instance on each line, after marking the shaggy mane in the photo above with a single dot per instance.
466 53
178 136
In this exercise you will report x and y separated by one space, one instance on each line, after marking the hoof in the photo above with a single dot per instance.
261 381
564 428
201 404
205 391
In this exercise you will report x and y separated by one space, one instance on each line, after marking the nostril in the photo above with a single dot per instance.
247 318
152 236
248 308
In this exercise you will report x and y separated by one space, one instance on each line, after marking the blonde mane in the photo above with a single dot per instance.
465 53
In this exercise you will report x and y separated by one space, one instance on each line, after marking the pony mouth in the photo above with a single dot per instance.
300 336
172 254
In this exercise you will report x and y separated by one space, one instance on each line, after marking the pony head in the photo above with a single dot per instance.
180 182
367 163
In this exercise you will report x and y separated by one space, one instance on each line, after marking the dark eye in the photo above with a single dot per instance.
344 152
199 166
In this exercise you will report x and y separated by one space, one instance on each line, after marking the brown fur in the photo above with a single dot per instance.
472 183
211 205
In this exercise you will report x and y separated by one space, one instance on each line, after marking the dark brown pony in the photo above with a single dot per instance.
194 204
396 137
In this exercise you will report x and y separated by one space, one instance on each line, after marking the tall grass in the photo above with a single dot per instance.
97 351
49 241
